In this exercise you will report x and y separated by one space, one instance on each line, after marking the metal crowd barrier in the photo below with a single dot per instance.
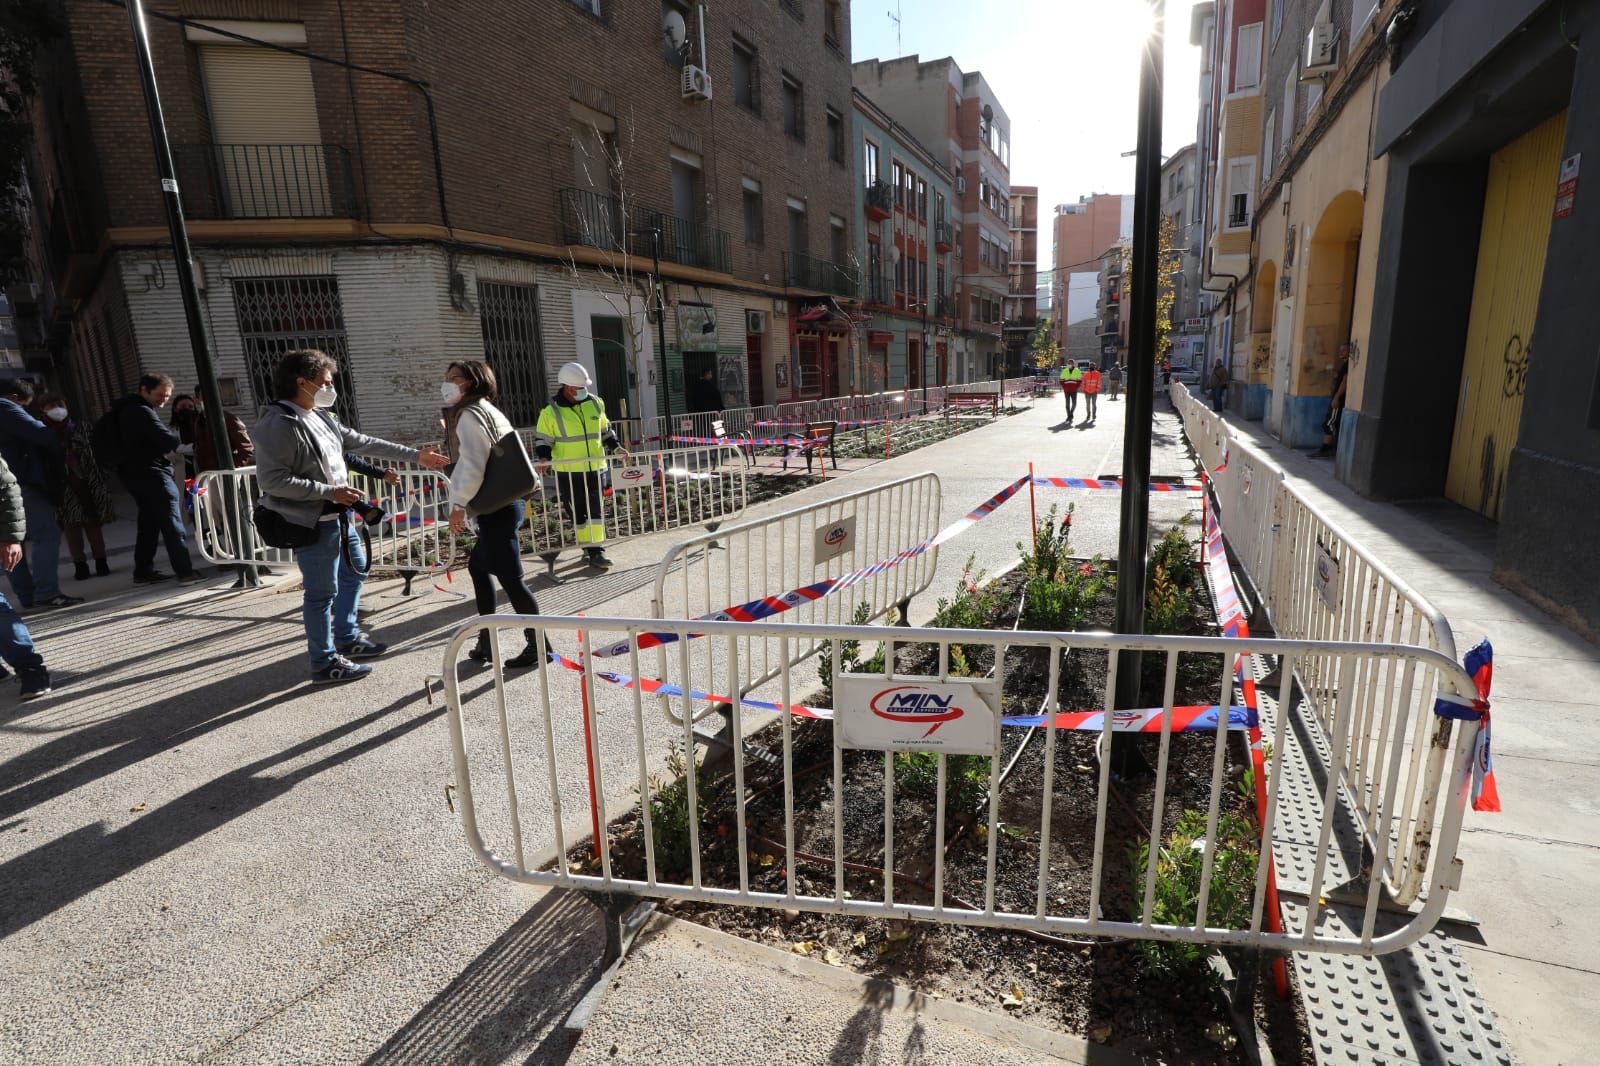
527 752
642 493
1315 582
412 539
798 549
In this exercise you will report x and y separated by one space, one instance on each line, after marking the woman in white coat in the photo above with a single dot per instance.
473 425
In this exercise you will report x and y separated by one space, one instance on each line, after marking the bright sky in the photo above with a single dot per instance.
1066 71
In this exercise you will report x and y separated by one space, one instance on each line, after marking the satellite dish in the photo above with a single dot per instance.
674 29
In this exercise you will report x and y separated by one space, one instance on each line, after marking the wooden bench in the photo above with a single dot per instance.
818 437
973 401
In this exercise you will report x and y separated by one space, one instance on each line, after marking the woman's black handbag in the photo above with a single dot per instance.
507 474
276 531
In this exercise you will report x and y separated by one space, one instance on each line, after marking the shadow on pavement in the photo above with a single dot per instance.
515 993
858 1042
56 873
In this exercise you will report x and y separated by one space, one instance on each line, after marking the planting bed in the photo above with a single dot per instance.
1161 1003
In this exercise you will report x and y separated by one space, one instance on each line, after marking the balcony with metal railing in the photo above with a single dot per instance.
944 237
878 289
880 201
598 221
944 306
823 275
223 181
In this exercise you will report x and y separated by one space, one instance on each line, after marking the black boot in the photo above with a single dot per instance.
481 653
80 570
529 658
101 568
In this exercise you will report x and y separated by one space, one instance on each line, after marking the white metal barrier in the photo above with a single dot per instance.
224 533
1316 583
526 753
635 495
801 548
412 539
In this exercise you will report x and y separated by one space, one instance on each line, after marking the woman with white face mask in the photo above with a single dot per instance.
473 426
86 504
300 465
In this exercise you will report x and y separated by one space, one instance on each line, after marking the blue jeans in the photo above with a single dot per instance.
333 589
16 645
156 498
34 579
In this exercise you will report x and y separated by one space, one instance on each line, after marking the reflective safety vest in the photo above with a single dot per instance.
574 434
1070 377
1091 381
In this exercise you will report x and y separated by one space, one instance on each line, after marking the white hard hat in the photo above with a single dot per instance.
574 374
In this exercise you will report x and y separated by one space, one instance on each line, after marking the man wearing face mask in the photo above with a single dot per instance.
301 467
573 435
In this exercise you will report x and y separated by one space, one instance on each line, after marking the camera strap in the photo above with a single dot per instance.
344 543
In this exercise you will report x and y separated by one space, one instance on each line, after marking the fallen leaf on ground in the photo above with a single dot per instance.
859 940
1100 1033
137 808
768 860
802 948
832 957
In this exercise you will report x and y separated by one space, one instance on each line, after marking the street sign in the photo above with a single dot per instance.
1567 186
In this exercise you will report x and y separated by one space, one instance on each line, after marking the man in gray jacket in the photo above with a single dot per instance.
16 644
300 464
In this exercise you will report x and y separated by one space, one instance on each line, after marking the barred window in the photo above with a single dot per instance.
278 315
509 315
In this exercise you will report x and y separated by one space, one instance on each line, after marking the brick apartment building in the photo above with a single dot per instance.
1080 234
959 118
508 210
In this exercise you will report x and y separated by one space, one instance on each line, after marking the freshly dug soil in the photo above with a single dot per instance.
1101 991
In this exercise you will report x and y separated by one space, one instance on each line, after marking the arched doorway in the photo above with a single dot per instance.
1257 371
1324 320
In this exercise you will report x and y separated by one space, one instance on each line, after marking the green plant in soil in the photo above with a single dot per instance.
849 654
1179 868
974 606
1169 599
670 814
966 779
1059 590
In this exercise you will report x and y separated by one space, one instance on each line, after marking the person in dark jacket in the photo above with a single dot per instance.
145 443
16 643
704 394
86 506
33 452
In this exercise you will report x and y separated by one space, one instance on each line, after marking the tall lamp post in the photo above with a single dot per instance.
1138 412
210 389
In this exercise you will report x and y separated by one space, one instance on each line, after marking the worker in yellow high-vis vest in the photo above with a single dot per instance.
1071 381
572 437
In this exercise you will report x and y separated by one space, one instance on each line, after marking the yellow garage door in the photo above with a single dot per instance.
1517 210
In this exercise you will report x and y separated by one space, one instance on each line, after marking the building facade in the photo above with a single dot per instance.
1111 314
961 121
1178 208
1022 314
905 203
1080 234
1418 213
469 203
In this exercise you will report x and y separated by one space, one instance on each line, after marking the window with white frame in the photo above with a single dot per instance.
1361 13
1269 146
1286 113
754 220
1241 193
1247 68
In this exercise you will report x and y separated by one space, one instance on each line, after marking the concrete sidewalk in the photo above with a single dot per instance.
1530 871
206 859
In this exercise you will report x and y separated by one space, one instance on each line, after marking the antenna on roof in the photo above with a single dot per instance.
894 17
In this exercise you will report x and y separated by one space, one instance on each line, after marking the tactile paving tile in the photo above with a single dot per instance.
1418 1005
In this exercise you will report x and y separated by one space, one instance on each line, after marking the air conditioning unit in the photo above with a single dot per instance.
755 321
780 307
696 83
1322 51
961 185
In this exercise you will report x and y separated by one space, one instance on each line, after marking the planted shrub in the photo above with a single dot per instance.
1179 868
670 813
966 779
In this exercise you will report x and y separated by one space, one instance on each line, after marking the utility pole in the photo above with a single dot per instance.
661 328
210 390
1135 534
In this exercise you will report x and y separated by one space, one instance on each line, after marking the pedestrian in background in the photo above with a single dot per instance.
1217 384
1071 381
573 436
704 395
86 504
1091 393
473 426
301 469
1114 379
1330 426
34 453
16 643
143 443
